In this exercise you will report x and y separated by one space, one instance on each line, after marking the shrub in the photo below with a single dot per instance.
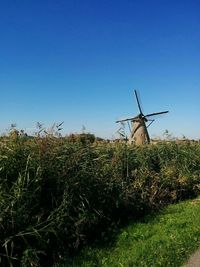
57 194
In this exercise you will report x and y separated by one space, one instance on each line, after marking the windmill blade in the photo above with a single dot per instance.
128 119
156 113
138 102
151 121
129 126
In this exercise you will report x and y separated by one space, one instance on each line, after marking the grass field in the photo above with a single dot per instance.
57 195
164 239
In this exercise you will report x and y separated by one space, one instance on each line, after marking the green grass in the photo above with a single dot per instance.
165 239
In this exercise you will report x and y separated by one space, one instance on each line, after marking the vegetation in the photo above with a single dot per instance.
164 239
59 194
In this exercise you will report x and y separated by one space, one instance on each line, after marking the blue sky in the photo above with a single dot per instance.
79 61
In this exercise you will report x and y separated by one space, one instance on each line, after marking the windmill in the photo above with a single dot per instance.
138 128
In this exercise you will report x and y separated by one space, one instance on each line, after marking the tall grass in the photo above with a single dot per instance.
57 194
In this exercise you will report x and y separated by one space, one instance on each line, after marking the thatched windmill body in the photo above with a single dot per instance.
138 128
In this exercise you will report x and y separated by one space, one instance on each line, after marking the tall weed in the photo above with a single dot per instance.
57 194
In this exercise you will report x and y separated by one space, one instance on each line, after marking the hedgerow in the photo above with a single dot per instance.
57 194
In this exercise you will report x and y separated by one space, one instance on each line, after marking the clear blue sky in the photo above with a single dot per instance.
79 61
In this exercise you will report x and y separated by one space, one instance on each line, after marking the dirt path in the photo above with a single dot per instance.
194 260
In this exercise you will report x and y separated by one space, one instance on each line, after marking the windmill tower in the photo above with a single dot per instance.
138 128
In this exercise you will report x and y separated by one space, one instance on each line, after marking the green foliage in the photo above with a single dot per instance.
58 194
166 238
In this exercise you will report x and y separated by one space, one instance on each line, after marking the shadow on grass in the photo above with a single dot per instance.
154 229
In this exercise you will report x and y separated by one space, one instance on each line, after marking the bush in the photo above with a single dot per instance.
57 194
